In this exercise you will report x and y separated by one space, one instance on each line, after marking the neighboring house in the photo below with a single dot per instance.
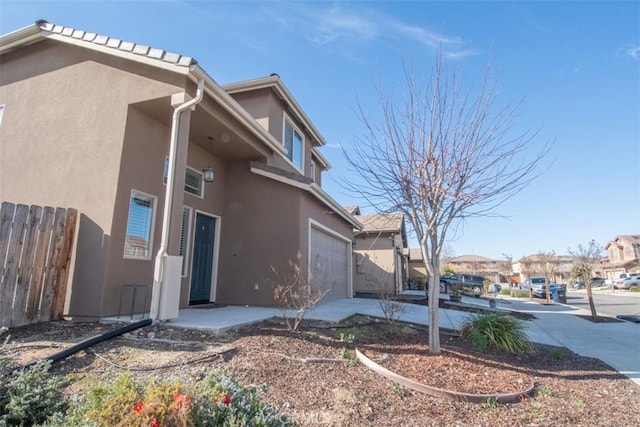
623 256
380 253
533 265
478 265
87 123
415 264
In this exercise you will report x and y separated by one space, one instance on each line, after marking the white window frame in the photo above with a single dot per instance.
186 240
286 119
154 199
192 169
1 112
312 170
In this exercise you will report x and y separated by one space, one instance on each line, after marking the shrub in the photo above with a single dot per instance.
520 293
496 330
634 288
505 291
28 396
217 400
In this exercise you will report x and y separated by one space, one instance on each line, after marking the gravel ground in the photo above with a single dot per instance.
313 376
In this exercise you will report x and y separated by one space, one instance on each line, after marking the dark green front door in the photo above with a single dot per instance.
202 271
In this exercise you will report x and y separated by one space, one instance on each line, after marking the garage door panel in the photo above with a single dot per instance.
329 264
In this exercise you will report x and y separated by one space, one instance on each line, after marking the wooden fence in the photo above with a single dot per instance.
35 255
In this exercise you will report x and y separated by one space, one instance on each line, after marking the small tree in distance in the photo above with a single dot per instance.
547 265
585 257
441 155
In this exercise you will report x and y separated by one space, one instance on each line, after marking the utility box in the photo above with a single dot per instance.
170 290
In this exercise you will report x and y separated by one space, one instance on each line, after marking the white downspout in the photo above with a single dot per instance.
158 273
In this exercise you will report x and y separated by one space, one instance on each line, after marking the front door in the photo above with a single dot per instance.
202 271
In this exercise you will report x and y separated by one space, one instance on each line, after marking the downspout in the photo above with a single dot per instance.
158 274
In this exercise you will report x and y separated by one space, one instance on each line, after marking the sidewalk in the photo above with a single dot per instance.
617 344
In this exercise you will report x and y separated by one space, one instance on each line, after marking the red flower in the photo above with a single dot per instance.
138 407
227 400
224 398
154 422
181 400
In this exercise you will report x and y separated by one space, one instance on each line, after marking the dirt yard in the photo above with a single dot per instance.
313 376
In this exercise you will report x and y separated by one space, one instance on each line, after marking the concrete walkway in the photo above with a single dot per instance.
617 344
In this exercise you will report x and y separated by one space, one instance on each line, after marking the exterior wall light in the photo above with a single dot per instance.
208 174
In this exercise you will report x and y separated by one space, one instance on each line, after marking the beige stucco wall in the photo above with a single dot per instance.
375 263
62 144
263 105
259 230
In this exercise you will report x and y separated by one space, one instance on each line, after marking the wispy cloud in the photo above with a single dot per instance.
338 25
633 52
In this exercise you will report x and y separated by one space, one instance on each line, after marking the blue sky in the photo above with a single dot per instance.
575 64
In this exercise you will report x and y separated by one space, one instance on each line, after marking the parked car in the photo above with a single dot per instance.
595 282
539 290
467 283
621 276
626 283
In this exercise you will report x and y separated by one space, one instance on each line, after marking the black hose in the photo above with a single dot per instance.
91 341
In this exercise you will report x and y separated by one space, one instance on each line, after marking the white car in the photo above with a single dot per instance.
626 283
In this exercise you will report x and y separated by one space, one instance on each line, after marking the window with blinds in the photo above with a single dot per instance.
138 239
193 182
193 179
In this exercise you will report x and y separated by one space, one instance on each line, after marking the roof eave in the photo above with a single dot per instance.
216 92
20 37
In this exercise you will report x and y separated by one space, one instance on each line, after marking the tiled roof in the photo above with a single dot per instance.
381 222
117 44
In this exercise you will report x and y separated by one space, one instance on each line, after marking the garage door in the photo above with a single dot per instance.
329 264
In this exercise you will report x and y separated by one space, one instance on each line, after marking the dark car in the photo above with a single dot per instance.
467 283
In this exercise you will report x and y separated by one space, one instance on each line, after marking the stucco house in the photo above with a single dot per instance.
380 251
220 183
623 255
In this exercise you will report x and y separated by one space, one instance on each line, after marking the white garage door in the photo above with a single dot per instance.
329 264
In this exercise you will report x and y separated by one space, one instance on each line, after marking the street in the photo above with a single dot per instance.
607 302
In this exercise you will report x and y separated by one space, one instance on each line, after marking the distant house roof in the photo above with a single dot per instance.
537 258
391 223
632 239
353 210
472 258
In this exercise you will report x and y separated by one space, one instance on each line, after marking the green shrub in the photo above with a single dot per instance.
520 293
496 330
28 396
505 291
634 288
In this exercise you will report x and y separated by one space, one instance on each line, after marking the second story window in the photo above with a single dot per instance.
293 142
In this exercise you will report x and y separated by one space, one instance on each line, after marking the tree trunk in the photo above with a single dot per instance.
592 306
433 270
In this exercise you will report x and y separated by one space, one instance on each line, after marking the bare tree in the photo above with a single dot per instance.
585 257
441 155
547 266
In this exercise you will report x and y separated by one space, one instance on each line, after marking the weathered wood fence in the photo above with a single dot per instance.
35 256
